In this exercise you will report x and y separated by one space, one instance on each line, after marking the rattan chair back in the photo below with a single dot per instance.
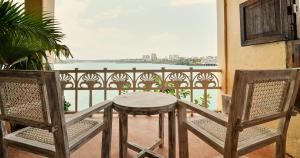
261 96
24 98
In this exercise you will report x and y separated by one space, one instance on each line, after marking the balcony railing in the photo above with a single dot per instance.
179 82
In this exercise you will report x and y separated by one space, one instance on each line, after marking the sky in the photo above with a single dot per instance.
114 29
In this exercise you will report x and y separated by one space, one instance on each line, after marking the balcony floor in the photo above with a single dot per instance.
143 130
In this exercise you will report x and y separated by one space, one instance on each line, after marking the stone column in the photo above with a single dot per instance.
41 7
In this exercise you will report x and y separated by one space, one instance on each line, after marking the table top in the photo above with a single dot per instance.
145 102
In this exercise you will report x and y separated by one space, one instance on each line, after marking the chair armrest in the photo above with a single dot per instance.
74 118
226 103
217 117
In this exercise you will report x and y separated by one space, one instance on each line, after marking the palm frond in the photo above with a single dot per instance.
15 23
24 34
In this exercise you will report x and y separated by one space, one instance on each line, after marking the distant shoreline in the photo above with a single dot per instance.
137 61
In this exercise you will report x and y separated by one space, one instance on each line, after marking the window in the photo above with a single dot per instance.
264 21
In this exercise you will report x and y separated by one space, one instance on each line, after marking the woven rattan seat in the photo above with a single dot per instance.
249 134
37 137
44 136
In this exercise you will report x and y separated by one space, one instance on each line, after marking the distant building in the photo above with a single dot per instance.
209 60
146 57
174 57
153 57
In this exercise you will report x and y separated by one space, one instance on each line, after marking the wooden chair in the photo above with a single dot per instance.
258 97
33 98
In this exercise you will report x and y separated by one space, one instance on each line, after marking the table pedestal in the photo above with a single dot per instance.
143 152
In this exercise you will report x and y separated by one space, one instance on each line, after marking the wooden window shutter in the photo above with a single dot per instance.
264 21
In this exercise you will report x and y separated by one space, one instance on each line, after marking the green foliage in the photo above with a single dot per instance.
183 93
125 88
25 38
201 100
67 105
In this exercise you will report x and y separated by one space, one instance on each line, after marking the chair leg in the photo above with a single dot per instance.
182 133
3 152
123 134
231 148
61 144
58 155
280 149
161 129
172 133
233 154
106 136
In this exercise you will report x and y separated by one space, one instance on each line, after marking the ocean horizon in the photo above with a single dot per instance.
95 65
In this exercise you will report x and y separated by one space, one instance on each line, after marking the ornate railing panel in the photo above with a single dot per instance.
123 81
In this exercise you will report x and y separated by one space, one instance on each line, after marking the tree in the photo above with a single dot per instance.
25 38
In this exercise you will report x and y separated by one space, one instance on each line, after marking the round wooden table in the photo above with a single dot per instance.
146 103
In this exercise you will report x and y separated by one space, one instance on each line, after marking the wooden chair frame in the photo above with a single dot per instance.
57 122
235 123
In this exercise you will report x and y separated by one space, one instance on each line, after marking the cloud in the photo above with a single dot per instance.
110 14
189 2
101 29
163 43
163 37
118 12
84 36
